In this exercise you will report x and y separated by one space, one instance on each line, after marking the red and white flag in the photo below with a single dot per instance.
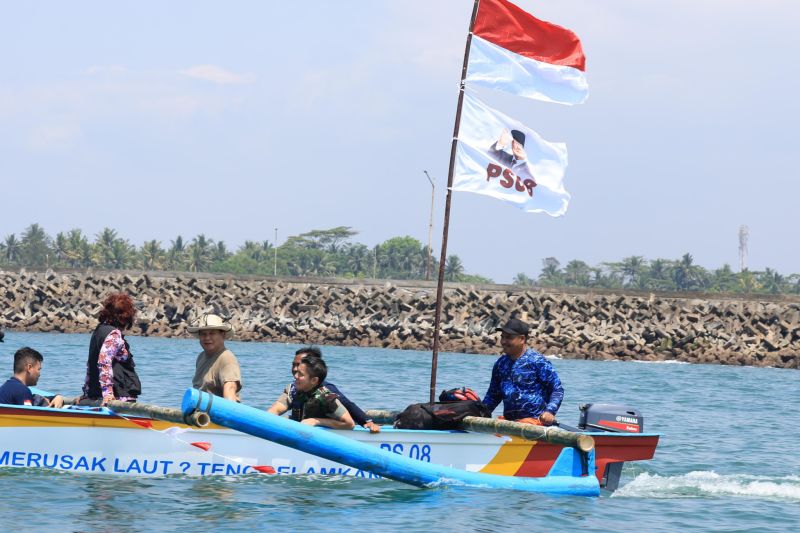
502 158
515 52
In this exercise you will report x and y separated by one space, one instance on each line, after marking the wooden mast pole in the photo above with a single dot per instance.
446 226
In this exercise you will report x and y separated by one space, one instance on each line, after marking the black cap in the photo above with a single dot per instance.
518 136
515 327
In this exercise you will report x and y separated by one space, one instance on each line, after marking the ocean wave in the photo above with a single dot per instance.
705 483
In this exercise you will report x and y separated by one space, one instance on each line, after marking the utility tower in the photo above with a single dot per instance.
744 233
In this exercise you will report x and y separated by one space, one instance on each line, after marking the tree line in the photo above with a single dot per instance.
333 253
317 253
636 272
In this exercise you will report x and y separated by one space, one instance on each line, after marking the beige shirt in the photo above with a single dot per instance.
213 372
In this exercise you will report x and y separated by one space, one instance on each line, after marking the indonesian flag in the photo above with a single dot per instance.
502 158
515 52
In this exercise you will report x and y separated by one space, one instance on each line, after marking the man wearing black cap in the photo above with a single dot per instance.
517 160
523 379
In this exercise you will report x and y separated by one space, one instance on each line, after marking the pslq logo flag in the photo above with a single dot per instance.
502 158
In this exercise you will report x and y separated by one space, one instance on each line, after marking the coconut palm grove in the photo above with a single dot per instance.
334 253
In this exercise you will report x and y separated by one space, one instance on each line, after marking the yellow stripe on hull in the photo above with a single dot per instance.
510 457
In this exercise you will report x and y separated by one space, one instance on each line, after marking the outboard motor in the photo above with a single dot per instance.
612 418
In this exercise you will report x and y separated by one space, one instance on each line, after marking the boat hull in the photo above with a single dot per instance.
100 442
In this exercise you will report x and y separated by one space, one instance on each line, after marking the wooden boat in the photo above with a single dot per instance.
100 441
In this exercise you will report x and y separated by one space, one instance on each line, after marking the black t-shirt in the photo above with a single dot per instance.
14 392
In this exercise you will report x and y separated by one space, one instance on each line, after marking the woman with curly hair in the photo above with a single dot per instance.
110 370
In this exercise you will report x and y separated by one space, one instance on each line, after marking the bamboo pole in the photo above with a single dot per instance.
168 414
551 434
437 314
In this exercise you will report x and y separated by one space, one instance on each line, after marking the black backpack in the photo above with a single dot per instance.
439 415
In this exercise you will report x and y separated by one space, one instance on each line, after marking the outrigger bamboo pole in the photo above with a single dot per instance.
551 434
446 226
168 414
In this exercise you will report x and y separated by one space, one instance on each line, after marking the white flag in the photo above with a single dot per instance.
500 157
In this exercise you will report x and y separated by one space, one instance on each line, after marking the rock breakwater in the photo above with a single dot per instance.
590 325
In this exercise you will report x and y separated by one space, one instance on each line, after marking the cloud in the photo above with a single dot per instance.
216 74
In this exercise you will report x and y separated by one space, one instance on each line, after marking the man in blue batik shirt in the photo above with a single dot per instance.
523 379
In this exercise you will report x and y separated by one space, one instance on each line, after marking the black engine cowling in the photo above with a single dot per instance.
610 417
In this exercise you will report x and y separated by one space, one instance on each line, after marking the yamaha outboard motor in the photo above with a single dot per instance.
612 418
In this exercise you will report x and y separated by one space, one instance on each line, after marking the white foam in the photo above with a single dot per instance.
704 483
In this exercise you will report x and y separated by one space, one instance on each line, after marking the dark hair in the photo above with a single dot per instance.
310 350
25 356
117 311
316 367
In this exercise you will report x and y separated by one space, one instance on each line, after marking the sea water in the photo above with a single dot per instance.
727 460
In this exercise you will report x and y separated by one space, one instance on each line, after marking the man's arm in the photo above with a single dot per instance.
229 391
281 405
552 385
277 408
358 416
345 422
494 395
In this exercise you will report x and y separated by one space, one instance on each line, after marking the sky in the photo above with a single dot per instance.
230 119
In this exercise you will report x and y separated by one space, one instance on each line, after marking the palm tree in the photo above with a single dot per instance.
771 281
34 246
577 273
199 254
358 257
252 249
658 275
122 254
77 247
11 249
522 280
631 268
604 280
551 273
793 283
747 282
724 279
176 254
60 247
220 252
453 268
104 247
152 255
684 273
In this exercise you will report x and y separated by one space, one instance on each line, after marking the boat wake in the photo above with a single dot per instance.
705 483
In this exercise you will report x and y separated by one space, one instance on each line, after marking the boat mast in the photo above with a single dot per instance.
446 226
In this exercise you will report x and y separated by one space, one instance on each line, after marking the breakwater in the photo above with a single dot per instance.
585 324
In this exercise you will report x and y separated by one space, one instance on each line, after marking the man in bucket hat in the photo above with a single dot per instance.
217 370
523 379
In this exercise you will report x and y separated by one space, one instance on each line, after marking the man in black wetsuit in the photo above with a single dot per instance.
359 416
